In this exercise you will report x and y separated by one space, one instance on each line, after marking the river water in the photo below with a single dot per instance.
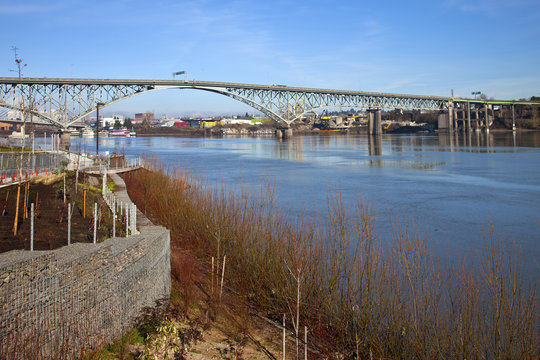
451 188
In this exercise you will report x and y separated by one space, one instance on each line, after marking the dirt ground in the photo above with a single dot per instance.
51 213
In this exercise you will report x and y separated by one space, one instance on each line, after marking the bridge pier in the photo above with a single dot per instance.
375 122
469 117
513 118
65 141
451 116
285 133
443 122
486 117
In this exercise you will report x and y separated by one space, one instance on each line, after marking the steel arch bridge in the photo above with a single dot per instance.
63 101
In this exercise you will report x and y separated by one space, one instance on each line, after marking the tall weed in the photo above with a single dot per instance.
358 298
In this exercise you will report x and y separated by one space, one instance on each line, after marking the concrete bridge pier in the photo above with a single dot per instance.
284 133
65 141
375 122
513 119
486 117
451 116
447 121
477 119
468 117
288 133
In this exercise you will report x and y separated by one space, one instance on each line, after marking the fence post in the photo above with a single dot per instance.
127 220
32 227
133 218
114 225
283 336
95 222
305 342
69 223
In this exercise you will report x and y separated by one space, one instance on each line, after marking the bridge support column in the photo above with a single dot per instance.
486 117
450 116
371 121
378 123
513 118
285 133
65 141
468 116
375 122
443 122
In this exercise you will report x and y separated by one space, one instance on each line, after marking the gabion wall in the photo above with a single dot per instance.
55 304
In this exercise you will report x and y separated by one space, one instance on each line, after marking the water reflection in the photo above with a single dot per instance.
453 185
375 145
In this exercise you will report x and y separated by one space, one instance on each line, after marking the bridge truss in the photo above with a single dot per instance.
62 102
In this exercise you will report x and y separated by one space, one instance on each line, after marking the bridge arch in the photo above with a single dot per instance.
68 100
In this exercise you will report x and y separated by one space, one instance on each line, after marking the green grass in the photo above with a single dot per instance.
121 348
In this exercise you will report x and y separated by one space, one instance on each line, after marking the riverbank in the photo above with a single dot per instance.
219 131
353 297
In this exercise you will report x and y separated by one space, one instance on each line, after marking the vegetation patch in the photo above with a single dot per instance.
238 257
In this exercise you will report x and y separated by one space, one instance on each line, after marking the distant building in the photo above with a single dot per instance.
140 117
182 124
110 121
5 126
237 121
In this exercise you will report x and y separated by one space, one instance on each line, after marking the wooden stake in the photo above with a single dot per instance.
283 336
222 275
95 223
84 200
305 342
24 215
27 198
37 204
212 284
32 228
69 224
5 204
17 208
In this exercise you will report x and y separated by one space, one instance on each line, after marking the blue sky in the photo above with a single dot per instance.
417 47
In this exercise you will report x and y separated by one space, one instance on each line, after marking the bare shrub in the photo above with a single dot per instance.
358 298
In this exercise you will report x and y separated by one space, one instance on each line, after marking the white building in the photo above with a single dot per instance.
237 121
109 121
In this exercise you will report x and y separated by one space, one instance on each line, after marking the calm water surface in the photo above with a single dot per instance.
452 188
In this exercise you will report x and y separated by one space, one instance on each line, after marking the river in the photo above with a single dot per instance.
451 188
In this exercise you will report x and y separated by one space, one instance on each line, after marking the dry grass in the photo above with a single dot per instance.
49 179
358 299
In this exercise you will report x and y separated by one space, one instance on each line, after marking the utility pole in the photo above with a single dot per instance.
18 62
23 115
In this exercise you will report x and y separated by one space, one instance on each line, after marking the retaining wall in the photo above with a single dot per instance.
58 303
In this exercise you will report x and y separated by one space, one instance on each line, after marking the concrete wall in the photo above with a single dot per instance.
80 296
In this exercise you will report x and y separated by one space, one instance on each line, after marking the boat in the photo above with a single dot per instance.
88 133
103 133
122 132
132 133
74 133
